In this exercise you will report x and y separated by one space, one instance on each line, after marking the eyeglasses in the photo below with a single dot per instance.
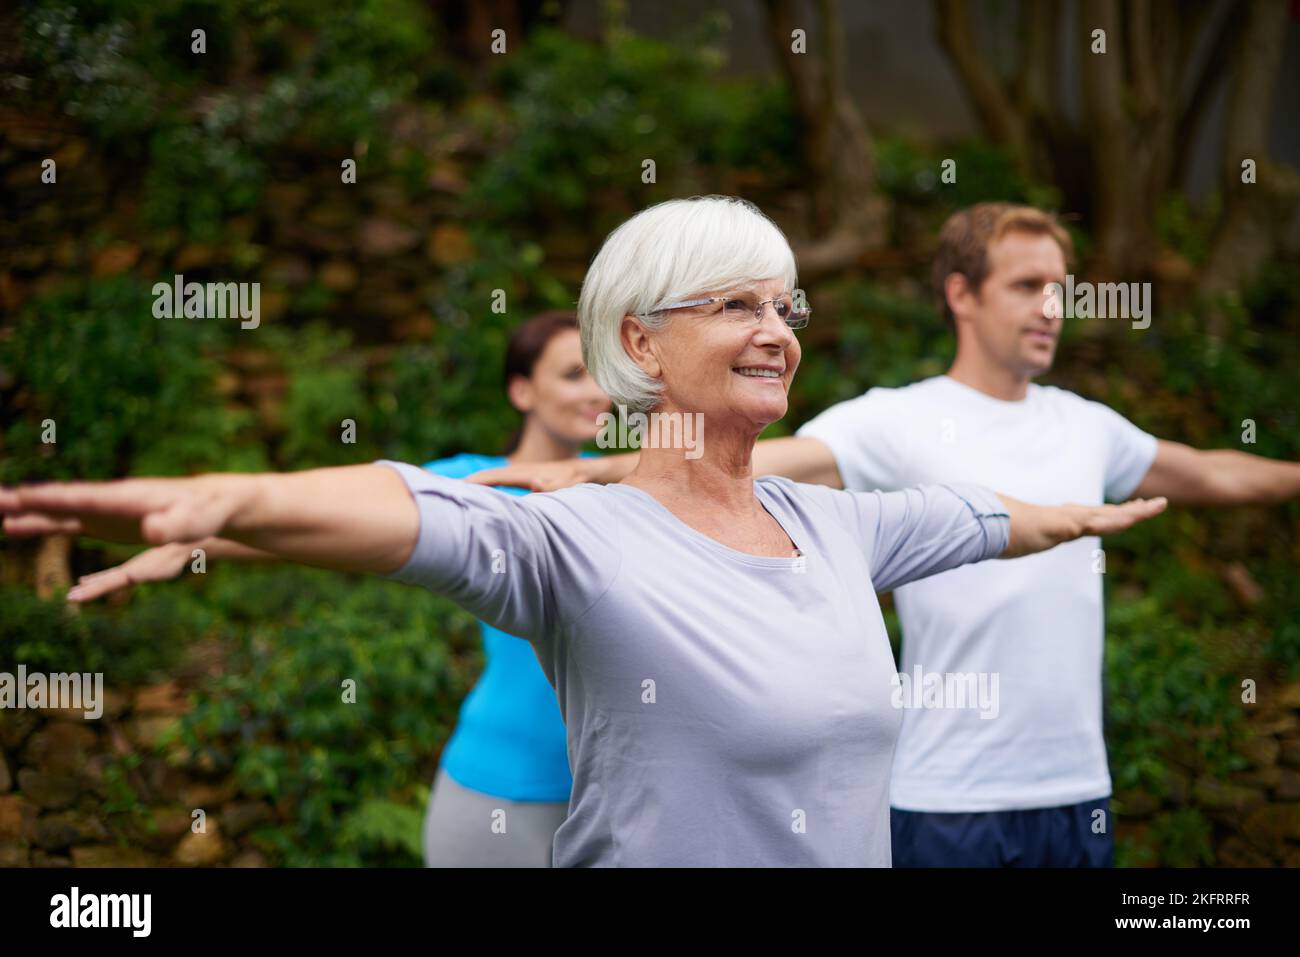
742 309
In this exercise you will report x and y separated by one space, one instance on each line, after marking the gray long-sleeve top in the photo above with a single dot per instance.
723 709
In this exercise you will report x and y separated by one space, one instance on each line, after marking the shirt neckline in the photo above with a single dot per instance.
992 400
765 561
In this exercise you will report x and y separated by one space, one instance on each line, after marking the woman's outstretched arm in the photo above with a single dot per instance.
358 518
922 531
520 564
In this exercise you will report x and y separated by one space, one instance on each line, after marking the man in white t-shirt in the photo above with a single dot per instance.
1001 759
1020 778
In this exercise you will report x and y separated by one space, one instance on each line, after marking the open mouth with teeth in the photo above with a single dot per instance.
753 372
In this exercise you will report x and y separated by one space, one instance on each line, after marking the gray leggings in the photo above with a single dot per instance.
466 828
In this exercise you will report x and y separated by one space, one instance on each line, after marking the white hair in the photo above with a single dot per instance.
672 251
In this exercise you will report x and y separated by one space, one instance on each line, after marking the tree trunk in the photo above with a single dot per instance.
1254 214
848 214
52 569
1144 102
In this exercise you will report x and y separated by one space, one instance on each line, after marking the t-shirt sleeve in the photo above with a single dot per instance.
1129 452
505 559
921 531
864 436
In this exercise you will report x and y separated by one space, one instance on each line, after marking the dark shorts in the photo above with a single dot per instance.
1070 836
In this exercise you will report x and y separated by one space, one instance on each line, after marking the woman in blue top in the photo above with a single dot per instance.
503 782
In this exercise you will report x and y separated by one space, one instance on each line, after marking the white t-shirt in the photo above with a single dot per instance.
1033 626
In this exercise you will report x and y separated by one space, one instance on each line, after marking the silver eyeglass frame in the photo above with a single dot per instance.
802 320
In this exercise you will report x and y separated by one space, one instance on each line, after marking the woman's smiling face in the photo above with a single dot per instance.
561 394
735 371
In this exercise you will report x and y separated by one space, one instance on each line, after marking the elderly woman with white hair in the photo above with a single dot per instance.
715 641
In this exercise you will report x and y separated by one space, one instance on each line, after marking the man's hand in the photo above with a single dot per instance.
549 476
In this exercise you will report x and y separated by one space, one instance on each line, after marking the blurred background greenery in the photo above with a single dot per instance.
478 172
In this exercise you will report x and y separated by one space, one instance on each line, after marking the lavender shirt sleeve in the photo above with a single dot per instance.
524 564
477 547
918 532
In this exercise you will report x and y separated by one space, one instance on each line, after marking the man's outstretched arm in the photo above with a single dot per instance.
802 459
1188 476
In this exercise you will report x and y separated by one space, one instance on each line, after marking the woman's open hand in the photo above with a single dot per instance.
1036 528
1109 519
158 511
152 565
356 518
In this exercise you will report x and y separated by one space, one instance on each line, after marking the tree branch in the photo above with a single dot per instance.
992 105
1254 213
1108 140
849 213
1195 104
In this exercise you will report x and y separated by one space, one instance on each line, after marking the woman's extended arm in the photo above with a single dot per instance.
161 563
918 532
356 518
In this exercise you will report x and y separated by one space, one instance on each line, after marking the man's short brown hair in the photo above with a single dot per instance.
967 234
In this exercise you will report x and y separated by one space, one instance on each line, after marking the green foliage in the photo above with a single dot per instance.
1163 689
125 390
459 368
424 381
1282 612
1249 380
912 173
1203 390
354 774
1184 837
90 62
120 797
581 119
129 647
199 177
385 826
126 69
326 387
1179 838
1184 229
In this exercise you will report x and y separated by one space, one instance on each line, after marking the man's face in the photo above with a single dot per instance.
1007 318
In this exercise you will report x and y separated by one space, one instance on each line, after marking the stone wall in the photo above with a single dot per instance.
66 788
377 248
1255 812
62 784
